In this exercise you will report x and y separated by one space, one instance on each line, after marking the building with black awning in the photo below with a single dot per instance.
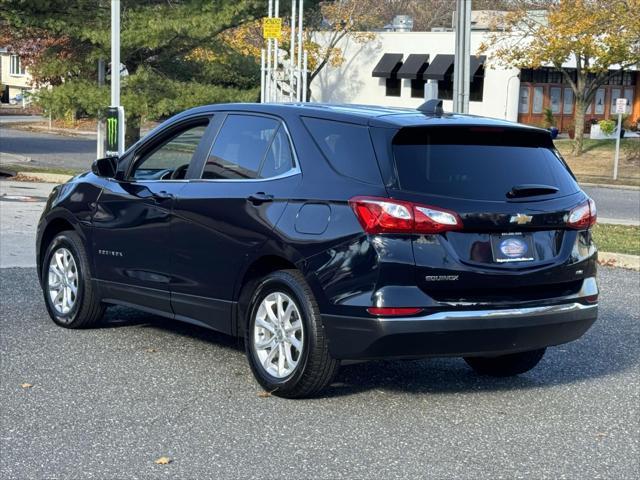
394 68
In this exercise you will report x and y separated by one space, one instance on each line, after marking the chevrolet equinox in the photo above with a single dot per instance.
324 233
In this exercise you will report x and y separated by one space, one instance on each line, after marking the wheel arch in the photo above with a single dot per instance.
258 268
55 224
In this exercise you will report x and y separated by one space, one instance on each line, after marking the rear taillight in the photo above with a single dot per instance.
583 216
385 215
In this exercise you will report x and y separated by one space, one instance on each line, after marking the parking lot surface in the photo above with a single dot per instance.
105 403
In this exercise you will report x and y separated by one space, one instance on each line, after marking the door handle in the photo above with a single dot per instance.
163 195
260 197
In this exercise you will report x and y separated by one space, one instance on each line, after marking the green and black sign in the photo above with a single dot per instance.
115 131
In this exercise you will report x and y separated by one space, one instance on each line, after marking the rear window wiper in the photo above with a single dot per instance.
531 190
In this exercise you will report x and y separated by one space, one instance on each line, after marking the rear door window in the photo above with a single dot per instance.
482 164
240 147
347 147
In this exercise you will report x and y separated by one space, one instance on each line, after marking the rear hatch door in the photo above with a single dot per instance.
514 195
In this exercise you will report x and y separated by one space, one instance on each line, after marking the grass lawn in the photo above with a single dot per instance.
39 169
596 163
617 238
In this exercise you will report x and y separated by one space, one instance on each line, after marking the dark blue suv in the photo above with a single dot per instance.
324 233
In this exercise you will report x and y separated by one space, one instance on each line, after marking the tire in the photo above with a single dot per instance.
310 370
85 308
506 365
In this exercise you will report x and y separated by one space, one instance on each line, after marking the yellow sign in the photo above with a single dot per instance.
272 28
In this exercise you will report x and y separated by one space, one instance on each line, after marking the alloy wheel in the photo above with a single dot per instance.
278 334
63 281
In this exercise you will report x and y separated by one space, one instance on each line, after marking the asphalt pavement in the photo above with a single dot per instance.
105 403
616 205
47 150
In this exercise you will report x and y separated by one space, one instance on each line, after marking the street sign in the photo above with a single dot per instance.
115 131
621 105
621 109
272 28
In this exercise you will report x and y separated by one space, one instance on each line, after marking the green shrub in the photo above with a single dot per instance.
607 126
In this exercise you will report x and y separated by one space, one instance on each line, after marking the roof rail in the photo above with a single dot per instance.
432 107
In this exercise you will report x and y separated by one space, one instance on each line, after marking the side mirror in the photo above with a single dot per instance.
105 167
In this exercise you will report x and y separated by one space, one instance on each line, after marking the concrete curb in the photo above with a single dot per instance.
66 132
619 221
11 158
46 177
621 260
609 185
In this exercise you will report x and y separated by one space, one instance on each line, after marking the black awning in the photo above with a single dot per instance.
439 67
388 65
414 66
475 63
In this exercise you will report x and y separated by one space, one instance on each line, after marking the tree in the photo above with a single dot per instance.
596 34
161 41
326 24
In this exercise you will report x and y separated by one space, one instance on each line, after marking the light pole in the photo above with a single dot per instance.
461 66
115 115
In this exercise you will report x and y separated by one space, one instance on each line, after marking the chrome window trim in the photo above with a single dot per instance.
289 173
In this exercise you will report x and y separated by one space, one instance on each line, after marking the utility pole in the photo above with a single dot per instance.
115 115
461 67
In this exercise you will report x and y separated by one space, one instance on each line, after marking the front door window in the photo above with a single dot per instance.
171 158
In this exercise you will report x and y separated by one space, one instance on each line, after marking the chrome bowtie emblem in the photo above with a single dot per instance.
520 219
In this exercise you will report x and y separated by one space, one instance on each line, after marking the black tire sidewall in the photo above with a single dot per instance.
66 240
281 282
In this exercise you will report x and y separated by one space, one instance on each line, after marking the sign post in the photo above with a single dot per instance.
621 107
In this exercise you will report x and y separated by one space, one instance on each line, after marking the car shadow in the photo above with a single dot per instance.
603 351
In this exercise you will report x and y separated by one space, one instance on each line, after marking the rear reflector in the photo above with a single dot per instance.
583 216
393 311
385 215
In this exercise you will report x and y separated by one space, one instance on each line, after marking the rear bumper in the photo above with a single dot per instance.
458 332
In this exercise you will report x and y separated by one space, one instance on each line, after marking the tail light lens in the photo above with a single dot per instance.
385 215
583 216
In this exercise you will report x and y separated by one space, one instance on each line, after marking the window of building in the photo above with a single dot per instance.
540 75
523 104
538 98
554 99
476 88
599 101
240 147
555 76
526 75
628 94
393 87
615 94
15 66
628 78
445 87
616 78
567 103
417 88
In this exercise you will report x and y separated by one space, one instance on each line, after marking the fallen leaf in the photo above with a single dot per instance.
150 350
26 385
163 461
264 394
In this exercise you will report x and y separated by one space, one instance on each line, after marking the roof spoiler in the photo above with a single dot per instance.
432 107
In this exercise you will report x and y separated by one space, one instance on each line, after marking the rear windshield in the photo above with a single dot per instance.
477 163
